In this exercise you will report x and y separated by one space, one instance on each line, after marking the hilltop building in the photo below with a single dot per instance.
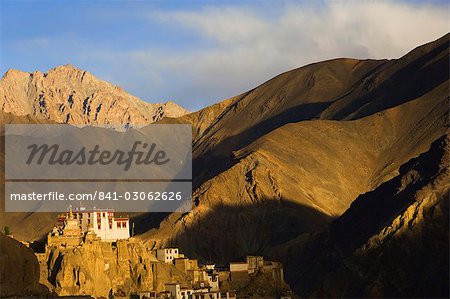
82 225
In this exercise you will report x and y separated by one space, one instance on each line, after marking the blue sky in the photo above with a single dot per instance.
198 53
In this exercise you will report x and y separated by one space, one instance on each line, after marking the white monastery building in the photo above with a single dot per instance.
101 221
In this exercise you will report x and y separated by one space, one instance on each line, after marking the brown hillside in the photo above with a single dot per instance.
273 159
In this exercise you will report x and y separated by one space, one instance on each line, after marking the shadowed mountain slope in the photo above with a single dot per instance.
19 270
391 242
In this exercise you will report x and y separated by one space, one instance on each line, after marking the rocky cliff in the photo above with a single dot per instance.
100 268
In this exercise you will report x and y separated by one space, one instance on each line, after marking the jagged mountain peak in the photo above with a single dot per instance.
67 94
14 73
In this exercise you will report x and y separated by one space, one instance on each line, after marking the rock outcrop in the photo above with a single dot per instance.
101 268
19 270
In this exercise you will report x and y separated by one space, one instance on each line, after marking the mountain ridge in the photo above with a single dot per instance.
66 94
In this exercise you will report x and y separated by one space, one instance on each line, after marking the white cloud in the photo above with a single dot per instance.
237 47
247 46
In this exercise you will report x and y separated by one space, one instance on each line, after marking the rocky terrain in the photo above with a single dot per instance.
392 241
66 94
19 270
338 168
100 269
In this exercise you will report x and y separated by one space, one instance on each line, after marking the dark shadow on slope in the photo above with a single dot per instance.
370 212
416 266
232 232
38 246
146 221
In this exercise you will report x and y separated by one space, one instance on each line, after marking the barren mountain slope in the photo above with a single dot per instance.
336 89
297 177
66 89
396 82
294 96
265 182
392 242
66 94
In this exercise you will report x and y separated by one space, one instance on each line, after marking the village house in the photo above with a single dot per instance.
174 289
176 292
184 264
242 271
202 277
167 255
214 295
239 271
